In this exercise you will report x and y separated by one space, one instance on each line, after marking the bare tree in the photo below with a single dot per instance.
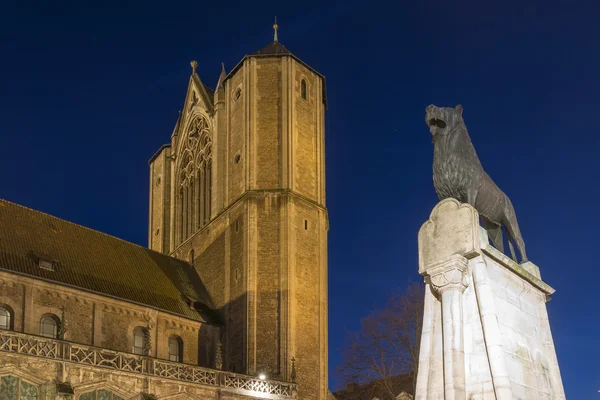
386 348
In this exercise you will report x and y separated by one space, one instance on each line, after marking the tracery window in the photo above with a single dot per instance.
101 394
175 349
195 180
6 317
49 326
13 388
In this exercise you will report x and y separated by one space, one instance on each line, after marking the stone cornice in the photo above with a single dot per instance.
239 200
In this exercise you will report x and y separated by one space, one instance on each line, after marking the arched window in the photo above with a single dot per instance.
101 394
49 326
175 349
13 388
140 337
195 180
303 89
6 317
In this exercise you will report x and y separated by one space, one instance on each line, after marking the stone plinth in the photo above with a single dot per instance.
485 333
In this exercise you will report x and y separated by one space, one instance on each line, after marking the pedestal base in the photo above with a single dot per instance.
504 342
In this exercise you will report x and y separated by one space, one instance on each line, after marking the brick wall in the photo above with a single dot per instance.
267 119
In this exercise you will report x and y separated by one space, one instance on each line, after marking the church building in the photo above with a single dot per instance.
230 299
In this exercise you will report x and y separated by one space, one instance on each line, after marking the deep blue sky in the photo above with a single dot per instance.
89 91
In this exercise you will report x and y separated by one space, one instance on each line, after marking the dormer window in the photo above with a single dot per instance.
46 264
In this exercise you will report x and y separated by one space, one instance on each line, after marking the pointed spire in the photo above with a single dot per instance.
275 27
222 77
194 65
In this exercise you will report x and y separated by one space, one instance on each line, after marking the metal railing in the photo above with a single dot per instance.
59 350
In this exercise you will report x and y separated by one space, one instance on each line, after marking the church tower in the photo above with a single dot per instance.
240 193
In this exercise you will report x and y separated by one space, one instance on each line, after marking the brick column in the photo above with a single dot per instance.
449 280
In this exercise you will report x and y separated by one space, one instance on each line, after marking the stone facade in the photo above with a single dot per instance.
262 252
235 277
486 333
94 351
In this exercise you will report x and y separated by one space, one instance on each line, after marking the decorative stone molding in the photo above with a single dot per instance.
452 228
95 357
449 275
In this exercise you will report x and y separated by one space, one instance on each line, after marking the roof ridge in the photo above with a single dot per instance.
90 229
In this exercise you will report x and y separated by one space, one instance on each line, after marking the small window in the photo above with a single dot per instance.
303 89
6 317
46 264
305 224
237 94
49 326
237 158
237 226
139 341
175 349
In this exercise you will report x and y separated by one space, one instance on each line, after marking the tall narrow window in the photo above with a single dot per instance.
205 198
139 341
209 190
175 349
181 214
303 89
6 317
194 179
200 198
49 326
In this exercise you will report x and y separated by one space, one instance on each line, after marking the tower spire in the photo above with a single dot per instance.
275 27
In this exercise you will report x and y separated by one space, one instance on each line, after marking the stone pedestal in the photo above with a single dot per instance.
485 333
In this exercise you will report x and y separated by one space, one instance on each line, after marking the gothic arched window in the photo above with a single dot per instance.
175 348
139 341
195 182
49 326
6 317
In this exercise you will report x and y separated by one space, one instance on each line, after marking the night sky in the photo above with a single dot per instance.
90 90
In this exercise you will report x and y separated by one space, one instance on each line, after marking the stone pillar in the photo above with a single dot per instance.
491 330
448 279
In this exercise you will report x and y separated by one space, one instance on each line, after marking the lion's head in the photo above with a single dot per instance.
443 120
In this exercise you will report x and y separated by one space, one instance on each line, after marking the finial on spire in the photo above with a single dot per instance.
275 27
194 65
223 66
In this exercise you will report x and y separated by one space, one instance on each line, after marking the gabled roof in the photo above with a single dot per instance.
96 262
205 91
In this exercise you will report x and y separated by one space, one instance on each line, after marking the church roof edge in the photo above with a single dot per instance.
164 146
276 49
99 263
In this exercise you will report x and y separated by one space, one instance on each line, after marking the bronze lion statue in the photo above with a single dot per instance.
457 173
